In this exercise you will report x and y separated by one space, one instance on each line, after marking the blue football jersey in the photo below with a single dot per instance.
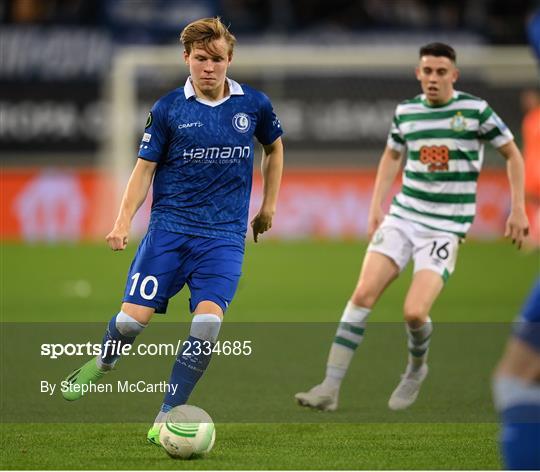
527 326
204 153
531 309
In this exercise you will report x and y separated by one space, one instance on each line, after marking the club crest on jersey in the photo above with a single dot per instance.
458 122
241 122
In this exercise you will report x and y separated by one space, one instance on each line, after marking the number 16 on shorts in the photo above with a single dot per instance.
440 255
440 249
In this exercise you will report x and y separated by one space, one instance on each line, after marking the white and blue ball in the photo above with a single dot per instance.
187 431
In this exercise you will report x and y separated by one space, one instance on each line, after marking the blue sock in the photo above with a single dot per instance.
122 330
518 403
520 437
188 368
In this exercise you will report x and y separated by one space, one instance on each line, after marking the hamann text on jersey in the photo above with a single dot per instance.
445 152
204 152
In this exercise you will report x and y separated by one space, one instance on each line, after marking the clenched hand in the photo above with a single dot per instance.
117 239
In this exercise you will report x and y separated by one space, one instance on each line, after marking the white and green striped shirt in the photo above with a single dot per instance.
445 151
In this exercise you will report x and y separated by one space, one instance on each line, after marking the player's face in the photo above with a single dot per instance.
437 76
208 67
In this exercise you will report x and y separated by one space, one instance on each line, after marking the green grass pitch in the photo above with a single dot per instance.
282 282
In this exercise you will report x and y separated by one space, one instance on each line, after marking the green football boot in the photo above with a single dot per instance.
73 385
153 434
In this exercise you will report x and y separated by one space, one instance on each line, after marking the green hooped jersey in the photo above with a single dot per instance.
445 151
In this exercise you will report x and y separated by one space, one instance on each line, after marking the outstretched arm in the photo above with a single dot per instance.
517 224
272 168
388 169
134 196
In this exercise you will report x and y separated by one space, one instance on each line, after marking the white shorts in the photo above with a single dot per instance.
402 240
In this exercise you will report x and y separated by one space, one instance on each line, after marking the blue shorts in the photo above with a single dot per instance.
166 261
528 324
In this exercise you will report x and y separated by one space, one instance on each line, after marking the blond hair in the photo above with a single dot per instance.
202 32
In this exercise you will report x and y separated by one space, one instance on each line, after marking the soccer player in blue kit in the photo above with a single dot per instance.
198 150
516 384
516 389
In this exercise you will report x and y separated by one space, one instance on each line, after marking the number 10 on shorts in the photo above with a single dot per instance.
148 287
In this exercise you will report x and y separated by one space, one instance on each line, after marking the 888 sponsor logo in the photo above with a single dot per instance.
435 157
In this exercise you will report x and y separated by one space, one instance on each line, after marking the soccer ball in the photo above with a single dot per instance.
187 430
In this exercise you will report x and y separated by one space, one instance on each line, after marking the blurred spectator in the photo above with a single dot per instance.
505 21
80 12
249 16
530 102
156 21
30 11
343 15
159 21
533 32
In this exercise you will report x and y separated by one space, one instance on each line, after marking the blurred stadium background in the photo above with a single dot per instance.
78 77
